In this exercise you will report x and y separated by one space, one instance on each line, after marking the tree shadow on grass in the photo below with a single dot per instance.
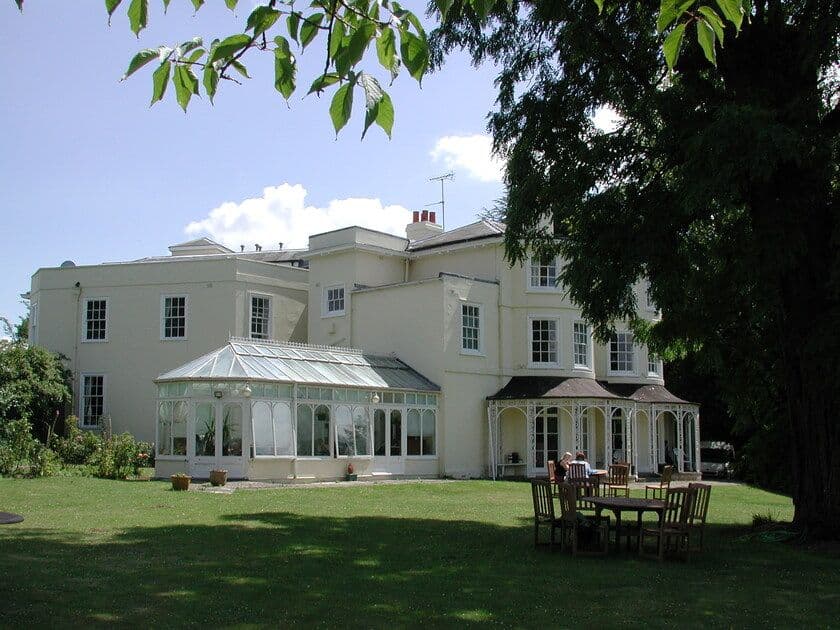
278 568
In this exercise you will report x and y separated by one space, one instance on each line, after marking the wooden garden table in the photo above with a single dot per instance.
617 505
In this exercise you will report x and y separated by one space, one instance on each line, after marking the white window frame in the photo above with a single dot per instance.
163 299
421 409
325 312
85 319
632 371
82 378
469 351
654 360
531 287
265 296
589 350
543 364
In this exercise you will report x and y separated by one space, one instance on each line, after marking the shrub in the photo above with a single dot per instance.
77 447
23 455
119 457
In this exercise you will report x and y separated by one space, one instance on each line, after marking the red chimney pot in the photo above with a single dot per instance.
424 216
432 214
415 217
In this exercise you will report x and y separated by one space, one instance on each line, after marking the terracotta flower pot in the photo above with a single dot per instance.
180 482
218 477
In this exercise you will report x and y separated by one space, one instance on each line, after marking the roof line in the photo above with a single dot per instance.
295 345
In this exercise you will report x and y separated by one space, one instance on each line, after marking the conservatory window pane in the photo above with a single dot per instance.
379 432
232 430
165 428
205 430
322 431
396 432
413 432
304 431
344 430
263 431
361 429
428 432
179 428
283 437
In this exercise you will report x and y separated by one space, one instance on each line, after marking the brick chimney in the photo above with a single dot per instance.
423 225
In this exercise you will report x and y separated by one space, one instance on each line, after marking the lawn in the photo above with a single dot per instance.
97 553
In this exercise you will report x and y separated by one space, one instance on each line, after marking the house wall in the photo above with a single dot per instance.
134 353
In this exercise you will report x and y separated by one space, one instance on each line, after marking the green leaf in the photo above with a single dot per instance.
261 19
350 54
385 115
210 79
373 95
669 11
231 4
138 15
186 84
140 60
229 47
481 7
309 28
166 5
19 4
714 21
240 68
159 80
732 11
706 39
192 44
336 40
443 6
293 22
197 5
386 50
284 68
672 45
600 5
415 54
110 7
322 82
341 106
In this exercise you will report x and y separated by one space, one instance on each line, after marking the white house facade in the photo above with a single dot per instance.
469 368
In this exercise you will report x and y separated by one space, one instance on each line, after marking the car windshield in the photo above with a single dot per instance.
715 455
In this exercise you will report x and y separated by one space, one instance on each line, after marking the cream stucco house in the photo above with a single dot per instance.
469 367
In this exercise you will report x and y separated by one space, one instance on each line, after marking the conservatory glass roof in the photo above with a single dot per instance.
249 359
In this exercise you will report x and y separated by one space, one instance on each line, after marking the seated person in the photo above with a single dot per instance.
563 466
580 458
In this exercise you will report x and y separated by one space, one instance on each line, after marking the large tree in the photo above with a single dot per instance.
720 185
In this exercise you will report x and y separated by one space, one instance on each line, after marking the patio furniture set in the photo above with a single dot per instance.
582 499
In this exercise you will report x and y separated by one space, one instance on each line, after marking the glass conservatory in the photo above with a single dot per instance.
285 411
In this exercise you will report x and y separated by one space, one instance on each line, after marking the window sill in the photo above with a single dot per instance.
611 373
94 341
172 458
330 315
427 458
273 457
472 353
543 290
582 368
545 366
173 338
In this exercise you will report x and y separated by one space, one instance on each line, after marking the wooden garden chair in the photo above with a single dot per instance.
577 472
552 473
657 491
673 525
617 480
544 511
574 524
697 522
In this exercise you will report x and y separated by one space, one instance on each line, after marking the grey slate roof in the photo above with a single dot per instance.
519 387
472 232
646 393
199 242
274 256
248 359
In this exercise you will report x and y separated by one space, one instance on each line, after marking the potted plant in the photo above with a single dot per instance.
180 481
218 477
350 476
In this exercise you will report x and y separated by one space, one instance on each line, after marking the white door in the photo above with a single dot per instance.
388 442
218 439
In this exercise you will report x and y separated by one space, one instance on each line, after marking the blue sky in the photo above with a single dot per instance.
90 173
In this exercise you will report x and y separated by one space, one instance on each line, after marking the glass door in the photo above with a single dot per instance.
388 441
218 439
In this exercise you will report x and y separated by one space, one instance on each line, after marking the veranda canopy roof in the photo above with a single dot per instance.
646 393
248 359
519 387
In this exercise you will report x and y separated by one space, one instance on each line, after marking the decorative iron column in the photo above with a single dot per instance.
681 438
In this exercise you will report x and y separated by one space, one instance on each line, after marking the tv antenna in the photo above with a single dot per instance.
450 176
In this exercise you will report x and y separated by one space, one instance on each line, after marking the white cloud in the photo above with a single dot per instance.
474 154
281 215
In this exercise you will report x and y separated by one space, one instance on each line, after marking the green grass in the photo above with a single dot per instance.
97 553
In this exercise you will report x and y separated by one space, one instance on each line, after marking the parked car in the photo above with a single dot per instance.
717 459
